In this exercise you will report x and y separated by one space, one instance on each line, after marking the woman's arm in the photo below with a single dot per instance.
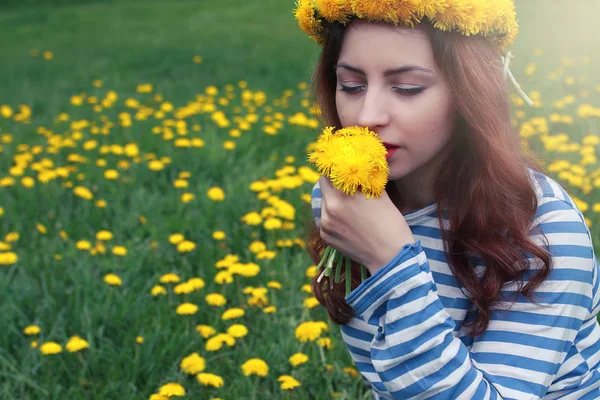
416 354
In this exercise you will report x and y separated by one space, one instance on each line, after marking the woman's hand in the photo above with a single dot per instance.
369 231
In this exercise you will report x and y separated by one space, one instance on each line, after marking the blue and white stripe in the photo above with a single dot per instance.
406 337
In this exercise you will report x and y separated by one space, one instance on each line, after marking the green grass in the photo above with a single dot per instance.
125 43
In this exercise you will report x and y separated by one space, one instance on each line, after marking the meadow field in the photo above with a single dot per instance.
155 193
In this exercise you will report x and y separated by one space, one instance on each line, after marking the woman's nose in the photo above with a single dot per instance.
373 110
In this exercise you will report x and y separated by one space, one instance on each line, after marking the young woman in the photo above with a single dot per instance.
483 282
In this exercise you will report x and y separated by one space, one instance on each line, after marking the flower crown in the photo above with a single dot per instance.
495 19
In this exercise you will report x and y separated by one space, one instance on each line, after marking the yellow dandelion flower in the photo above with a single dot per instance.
255 366
83 245
119 251
49 348
193 364
309 331
232 313
333 10
139 339
310 302
274 284
8 258
205 331
104 235
176 238
215 299
224 277
186 246
307 21
216 342
384 10
169 278
237 330
83 192
197 283
31 330
216 194
112 280
257 247
219 235
187 309
288 382
269 310
172 389
207 379
76 343
156 396
324 342
298 359
183 288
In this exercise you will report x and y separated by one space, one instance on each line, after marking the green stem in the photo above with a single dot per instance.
328 266
363 273
348 276
338 269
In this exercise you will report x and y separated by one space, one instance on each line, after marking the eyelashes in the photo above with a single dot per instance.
403 91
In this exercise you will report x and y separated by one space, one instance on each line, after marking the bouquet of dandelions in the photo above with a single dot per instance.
354 158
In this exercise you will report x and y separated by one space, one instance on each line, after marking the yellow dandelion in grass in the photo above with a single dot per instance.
12 237
83 192
215 299
288 382
193 364
207 379
325 342
237 330
172 389
186 246
183 288
310 330
216 194
76 343
257 247
50 348
101 203
205 331
104 235
157 289
310 302
31 330
216 342
169 278
1 211
298 359
197 283
41 228
34 344
187 197
176 238
112 280
156 396
139 339
219 235
8 258
224 277
232 313
119 251
252 218
274 285
255 366
83 245
269 310
350 371
187 309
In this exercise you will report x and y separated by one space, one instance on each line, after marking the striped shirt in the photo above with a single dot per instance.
406 335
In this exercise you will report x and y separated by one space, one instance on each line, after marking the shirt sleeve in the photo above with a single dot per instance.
315 202
416 354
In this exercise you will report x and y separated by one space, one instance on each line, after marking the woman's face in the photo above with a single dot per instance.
387 81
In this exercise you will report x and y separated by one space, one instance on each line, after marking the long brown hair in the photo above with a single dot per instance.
484 184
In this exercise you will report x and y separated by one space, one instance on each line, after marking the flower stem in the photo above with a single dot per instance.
348 277
363 273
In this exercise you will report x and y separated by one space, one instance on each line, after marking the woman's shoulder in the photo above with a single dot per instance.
552 195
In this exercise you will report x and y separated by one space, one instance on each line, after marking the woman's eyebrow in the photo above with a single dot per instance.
399 70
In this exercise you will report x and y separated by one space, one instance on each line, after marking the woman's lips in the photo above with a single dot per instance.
390 152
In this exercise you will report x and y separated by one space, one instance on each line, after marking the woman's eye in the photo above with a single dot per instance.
406 91
409 91
350 89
